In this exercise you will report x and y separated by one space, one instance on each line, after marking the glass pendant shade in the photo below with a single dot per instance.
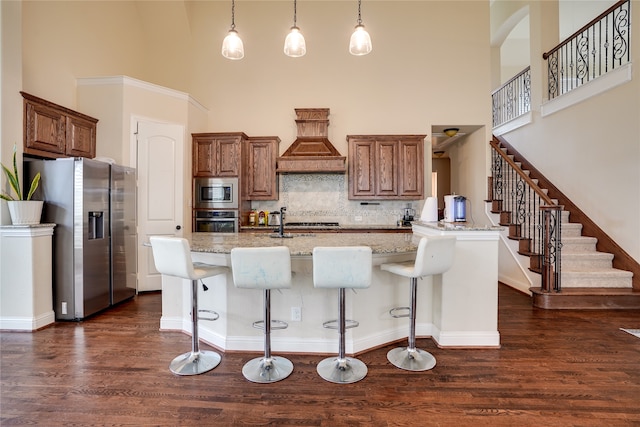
232 47
294 44
360 43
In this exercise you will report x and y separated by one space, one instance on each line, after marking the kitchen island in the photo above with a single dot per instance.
239 308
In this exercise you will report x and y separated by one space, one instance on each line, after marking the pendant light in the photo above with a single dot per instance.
232 47
294 45
360 43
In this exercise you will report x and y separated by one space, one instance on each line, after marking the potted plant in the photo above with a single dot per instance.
23 211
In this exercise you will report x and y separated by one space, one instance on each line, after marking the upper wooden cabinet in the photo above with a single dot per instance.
259 156
217 154
51 130
386 167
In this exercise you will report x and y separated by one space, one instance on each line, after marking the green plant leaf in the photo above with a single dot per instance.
34 185
13 181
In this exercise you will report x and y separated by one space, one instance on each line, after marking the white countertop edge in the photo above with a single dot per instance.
32 230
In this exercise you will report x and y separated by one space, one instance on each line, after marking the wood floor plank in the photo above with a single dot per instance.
554 368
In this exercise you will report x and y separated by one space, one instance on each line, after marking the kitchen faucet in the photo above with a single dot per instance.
281 225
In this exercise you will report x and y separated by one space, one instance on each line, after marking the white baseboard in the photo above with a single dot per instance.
20 323
467 339
173 324
255 343
515 283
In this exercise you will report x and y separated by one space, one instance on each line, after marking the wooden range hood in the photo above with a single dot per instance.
311 152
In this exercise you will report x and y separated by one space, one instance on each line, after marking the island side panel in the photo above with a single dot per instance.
465 298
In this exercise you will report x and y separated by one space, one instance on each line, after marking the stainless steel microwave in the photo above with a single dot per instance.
215 193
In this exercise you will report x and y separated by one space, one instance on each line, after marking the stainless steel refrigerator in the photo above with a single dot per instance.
77 199
124 260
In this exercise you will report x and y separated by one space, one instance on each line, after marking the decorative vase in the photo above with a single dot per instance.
25 212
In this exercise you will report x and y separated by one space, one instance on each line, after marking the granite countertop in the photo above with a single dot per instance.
456 226
324 227
302 244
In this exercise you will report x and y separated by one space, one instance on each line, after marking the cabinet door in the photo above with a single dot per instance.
80 137
411 171
203 157
45 129
226 156
361 169
261 179
55 131
387 166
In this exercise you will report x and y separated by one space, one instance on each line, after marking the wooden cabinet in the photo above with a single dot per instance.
55 131
386 167
259 156
217 154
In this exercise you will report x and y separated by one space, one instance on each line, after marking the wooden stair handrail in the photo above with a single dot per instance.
584 28
496 145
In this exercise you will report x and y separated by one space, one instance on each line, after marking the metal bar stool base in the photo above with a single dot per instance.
342 371
262 370
411 360
195 363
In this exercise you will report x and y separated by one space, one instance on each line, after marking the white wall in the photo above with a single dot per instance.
10 86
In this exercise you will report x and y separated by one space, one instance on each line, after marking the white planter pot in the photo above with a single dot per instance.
25 212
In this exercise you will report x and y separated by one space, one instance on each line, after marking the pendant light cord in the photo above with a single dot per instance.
233 14
295 12
359 14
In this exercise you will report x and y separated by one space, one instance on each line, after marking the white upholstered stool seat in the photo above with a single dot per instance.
342 268
434 256
172 257
264 268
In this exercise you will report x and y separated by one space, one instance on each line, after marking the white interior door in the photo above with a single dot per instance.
160 200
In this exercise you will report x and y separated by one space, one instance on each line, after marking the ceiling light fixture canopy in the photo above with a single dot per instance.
232 47
294 44
360 43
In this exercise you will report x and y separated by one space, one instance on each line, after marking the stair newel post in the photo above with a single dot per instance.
496 180
552 247
490 188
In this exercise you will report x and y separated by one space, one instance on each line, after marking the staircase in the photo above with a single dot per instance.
587 277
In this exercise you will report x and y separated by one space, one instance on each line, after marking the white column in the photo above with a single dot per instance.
26 290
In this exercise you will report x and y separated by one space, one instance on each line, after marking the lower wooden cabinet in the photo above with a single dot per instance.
386 167
260 180
55 131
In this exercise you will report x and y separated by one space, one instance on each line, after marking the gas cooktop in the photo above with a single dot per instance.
312 224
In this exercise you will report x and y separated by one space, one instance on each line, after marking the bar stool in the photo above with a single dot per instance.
434 256
264 268
341 268
172 257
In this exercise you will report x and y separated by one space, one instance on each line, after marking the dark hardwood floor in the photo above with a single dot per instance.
555 368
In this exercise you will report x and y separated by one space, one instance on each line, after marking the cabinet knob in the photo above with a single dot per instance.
178 227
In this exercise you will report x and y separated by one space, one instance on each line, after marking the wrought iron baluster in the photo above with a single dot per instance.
552 247
592 51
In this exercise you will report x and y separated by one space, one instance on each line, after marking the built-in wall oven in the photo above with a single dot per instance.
215 205
215 193
215 221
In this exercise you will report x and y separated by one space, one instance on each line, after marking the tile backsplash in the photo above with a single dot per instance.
324 197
